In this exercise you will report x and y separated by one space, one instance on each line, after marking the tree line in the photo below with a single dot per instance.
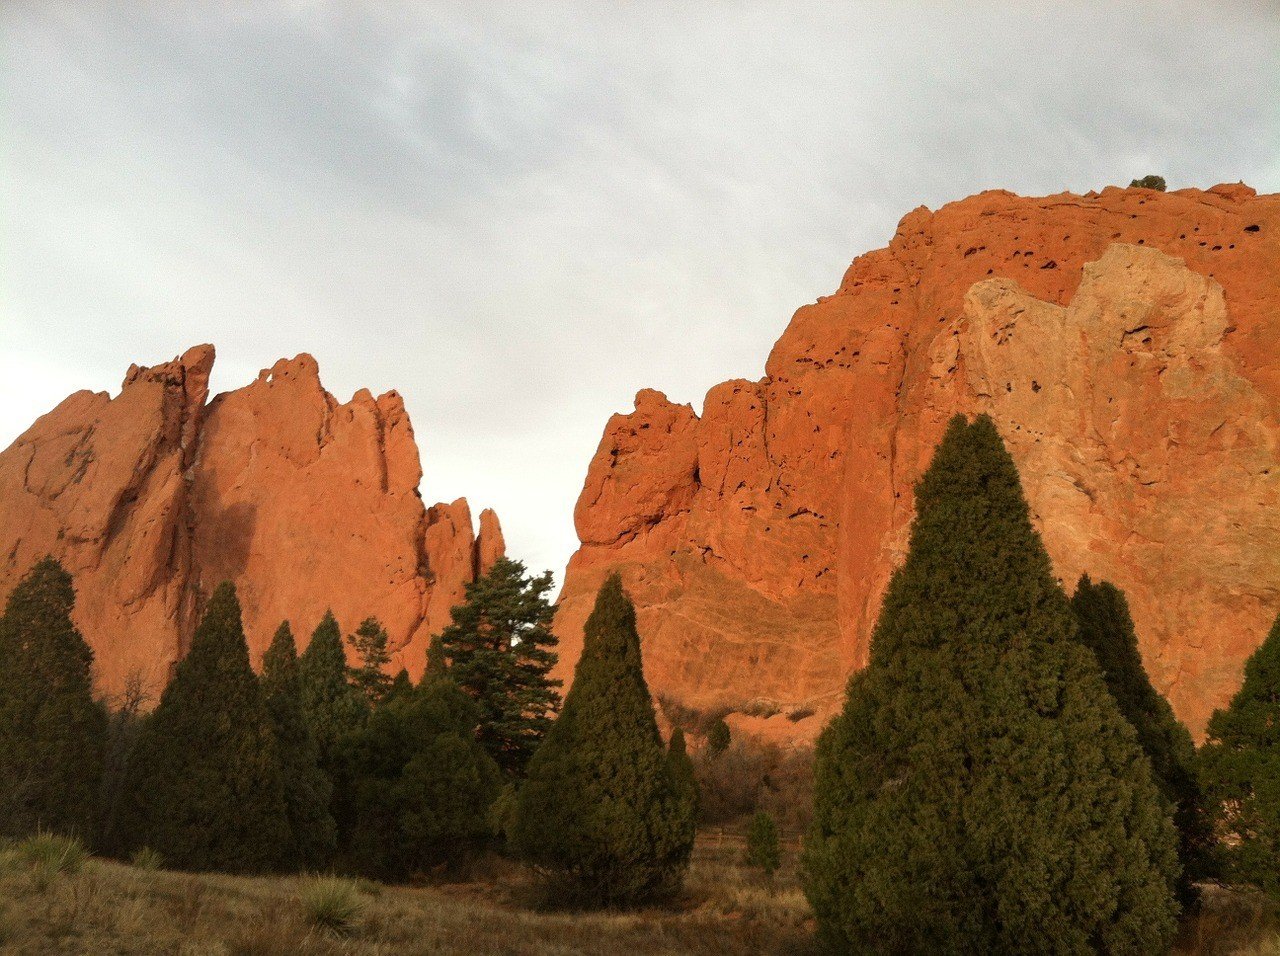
316 764
1002 777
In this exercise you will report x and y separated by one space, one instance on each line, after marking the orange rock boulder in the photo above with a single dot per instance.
1126 343
153 497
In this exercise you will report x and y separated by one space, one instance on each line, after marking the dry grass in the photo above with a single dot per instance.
112 908
726 909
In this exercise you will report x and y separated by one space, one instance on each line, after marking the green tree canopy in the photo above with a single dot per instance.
498 649
370 645
1240 762
1106 628
52 732
1149 182
981 791
423 785
681 769
307 789
331 706
600 810
206 780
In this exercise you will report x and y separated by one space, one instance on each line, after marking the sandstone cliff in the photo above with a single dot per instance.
153 497
1126 344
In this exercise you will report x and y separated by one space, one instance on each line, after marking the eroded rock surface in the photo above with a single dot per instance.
1125 343
153 497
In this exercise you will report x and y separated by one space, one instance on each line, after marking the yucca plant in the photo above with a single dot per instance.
332 904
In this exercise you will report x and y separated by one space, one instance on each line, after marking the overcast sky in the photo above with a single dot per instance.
520 214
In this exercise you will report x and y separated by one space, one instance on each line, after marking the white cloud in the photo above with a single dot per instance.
520 214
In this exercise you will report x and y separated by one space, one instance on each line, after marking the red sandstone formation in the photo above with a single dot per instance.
1126 343
152 498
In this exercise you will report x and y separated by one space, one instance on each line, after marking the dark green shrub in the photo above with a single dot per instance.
423 786
1149 182
763 851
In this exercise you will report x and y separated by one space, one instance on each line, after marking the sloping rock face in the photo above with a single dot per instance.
152 498
1125 343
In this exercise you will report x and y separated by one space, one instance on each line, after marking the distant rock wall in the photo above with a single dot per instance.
1126 343
152 498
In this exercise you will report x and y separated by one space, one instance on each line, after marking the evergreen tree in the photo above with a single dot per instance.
498 650
681 769
331 707
600 809
1107 629
370 644
307 789
424 786
206 783
718 736
1240 764
981 791
52 732
763 851
400 686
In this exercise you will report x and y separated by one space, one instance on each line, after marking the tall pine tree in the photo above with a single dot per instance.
499 651
1106 628
206 782
52 732
1240 766
307 789
981 791
370 644
601 810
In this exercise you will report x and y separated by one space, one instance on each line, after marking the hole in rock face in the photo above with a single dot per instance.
1254 228
1035 386
1049 265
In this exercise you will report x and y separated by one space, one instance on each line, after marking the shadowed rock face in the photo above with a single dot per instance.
1127 344
152 498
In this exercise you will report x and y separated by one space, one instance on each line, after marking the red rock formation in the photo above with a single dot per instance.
1127 346
153 497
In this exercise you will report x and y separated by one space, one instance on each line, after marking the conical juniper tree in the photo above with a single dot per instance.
52 732
498 649
307 789
423 785
206 781
981 791
681 768
1106 628
331 706
1240 768
600 811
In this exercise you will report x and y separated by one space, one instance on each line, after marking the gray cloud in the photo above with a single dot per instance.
520 214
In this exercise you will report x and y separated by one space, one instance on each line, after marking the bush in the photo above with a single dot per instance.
332 904
718 736
1149 182
753 775
763 851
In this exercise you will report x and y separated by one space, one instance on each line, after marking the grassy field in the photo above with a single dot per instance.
99 906
108 907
